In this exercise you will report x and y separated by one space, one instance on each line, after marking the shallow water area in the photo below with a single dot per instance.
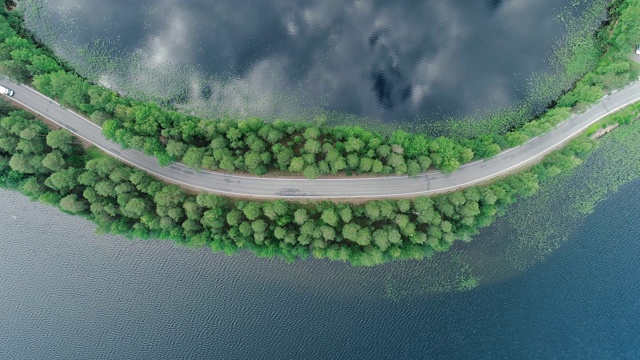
402 61
67 293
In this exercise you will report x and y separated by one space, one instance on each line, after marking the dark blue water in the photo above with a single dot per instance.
408 60
66 293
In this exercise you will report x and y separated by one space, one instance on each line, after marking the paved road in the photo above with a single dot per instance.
381 187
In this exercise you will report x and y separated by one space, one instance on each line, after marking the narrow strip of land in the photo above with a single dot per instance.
379 187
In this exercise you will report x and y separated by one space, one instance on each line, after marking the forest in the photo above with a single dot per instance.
51 166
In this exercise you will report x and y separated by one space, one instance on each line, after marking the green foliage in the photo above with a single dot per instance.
72 204
257 147
122 200
126 201
62 140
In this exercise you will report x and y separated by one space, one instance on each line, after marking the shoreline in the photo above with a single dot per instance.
431 183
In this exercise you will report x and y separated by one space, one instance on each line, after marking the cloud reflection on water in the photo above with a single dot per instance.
389 60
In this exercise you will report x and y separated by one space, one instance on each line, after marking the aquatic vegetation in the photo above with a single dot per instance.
259 147
190 90
616 162
532 228
50 166
123 200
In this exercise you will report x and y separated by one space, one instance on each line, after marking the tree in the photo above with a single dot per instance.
525 184
259 228
33 188
330 217
135 208
413 168
54 161
446 226
457 198
515 138
120 174
193 157
252 210
170 196
350 231
15 70
444 154
418 146
32 143
64 180
8 143
312 146
353 161
192 209
445 206
312 132
21 162
424 162
470 209
272 135
402 220
381 239
214 219
387 209
394 236
404 205
300 216
103 166
363 237
176 149
398 163
353 145
338 165
423 208
283 156
297 165
253 162
488 196
279 233
311 171
328 233
377 167
308 229
72 204
234 217
42 64
365 164
401 140
106 188
70 89
346 214
372 210
227 164
192 228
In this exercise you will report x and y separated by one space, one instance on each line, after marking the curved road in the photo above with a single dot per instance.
381 187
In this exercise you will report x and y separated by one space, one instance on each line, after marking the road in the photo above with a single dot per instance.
429 183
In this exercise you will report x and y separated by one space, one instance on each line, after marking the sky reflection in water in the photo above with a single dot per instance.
387 60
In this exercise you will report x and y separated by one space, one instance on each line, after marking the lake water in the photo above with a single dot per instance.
66 293
69 294
410 60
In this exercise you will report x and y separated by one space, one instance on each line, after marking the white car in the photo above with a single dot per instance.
6 91
638 49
